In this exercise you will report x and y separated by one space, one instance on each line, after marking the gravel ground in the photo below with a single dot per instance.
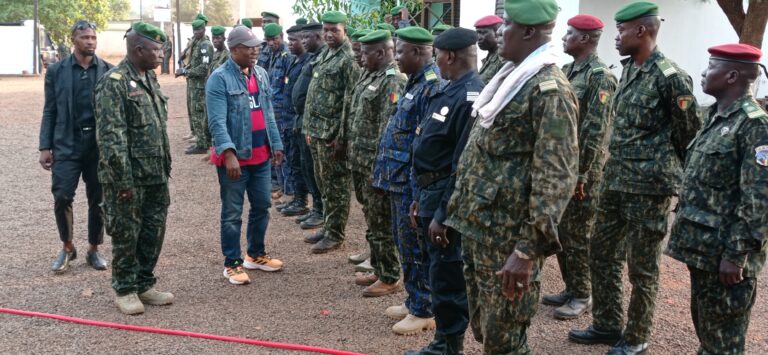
313 301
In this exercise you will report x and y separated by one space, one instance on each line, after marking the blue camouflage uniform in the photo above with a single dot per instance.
277 67
294 156
392 173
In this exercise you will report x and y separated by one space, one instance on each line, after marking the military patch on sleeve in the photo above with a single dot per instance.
430 75
205 59
603 96
761 155
547 86
472 96
393 97
115 75
390 71
666 68
684 102
203 50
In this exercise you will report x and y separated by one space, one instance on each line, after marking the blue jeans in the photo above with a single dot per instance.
255 181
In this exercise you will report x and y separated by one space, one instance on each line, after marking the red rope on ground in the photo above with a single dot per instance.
268 344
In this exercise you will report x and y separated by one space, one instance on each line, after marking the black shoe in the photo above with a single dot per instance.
442 345
280 206
557 299
297 209
325 245
96 260
304 217
195 150
624 348
314 221
61 263
594 336
314 238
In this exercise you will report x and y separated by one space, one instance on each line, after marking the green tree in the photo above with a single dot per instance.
219 13
120 9
313 9
58 15
187 8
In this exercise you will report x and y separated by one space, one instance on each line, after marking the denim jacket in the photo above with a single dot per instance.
229 112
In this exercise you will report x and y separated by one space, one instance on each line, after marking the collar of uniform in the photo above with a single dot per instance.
420 75
584 63
334 51
132 72
454 86
383 71
655 56
283 48
731 109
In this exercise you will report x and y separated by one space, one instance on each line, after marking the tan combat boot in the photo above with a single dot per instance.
397 312
129 304
380 288
413 325
155 297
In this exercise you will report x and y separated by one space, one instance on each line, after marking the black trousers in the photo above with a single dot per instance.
66 175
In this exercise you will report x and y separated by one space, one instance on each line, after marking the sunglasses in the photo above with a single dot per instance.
82 25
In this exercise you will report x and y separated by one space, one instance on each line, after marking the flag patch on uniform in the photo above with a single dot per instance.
761 155
603 96
393 97
684 102
548 85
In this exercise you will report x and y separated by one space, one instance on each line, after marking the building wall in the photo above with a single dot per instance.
22 40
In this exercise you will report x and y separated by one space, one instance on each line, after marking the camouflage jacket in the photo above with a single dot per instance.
200 59
655 117
594 85
264 55
515 178
723 211
219 58
374 99
392 170
131 133
491 65
334 75
278 72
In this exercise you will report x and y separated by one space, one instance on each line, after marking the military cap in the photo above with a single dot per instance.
396 10
415 35
375 37
359 34
218 30
334 17
200 16
272 30
440 28
386 27
242 35
488 21
196 24
294 29
301 21
313 26
736 52
636 10
247 22
150 32
456 38
585 23
531 12
270 14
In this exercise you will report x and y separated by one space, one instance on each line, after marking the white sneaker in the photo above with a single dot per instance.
236 275
397 312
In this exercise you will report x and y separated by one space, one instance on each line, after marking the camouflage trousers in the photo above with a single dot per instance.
720 314
574 230
333 178
629 227
137 228
378 217
198 116
500 324
413 260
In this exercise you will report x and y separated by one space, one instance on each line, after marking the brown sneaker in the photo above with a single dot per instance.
236 275
325 245
366 279
263 262
379 288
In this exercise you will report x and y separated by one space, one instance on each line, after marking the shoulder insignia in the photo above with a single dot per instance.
472 96
393 97
761 155
598 70
430 75
684 102
390 71
115 75
603 96
547 86
666 68
753 111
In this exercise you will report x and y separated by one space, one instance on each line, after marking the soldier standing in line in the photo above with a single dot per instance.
515 178
486 28
720 230
134 165
655 119
222 53
200 56
333 77
184 62
594 85
265 54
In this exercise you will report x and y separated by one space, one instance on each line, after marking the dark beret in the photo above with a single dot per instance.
456 38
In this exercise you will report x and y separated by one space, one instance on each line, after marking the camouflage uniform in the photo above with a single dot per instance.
655 118
392 173
265 54
333 77
134 154
374 99
278 74
594 85
200 57
219 58
491 65
722 213
513 183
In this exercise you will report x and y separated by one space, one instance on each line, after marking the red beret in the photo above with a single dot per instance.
586 23
488 21
737 52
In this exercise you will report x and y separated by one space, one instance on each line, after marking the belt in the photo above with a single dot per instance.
426 179
86 129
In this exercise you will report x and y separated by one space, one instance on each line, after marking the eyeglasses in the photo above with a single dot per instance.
81 25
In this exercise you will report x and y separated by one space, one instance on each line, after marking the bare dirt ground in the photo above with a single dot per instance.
312 301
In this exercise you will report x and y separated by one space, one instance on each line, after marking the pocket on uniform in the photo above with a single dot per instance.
146 161
705 226
476 207
719 167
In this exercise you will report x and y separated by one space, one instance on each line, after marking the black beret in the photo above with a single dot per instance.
455 38
295 28
313 26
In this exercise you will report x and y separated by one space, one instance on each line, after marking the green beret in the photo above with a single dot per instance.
359 34
200 16
218 30
272 30
531 12
387 27
415 35
334 17
439 28
197 24
301 21
247 22
376 37
636 9
396 10
150 32
270 14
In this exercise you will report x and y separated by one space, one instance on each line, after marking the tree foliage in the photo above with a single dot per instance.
58 16
313 9
187 8
120 9
219 13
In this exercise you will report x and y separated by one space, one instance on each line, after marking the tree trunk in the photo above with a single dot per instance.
749 25
500 8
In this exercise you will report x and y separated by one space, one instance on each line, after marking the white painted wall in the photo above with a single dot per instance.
21 39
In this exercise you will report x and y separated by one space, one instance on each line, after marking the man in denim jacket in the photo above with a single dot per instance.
245 136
